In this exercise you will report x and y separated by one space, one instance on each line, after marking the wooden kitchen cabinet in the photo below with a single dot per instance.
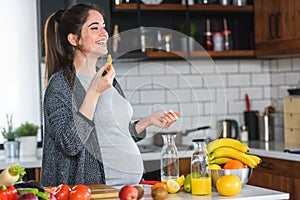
277 30
276 174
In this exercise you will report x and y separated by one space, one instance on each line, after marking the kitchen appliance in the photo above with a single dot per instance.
158 141
228 128
266 127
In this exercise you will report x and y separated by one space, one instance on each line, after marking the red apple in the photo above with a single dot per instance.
128 192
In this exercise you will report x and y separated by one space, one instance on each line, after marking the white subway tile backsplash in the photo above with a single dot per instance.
253 92
226 66
138 82
152 68
236 107
191 109
166 82
216 108
278 79
284 65
213 81
239 80
200 95
153 96
126 68
177 67
296 64
250 66
292 78
190 81
260 105
267 92
228 94
260 79
201 67
178 95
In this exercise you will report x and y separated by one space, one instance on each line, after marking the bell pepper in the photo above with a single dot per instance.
8 193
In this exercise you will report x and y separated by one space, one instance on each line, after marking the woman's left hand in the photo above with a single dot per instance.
163 119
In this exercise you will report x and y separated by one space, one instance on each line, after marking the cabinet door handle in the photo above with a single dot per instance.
271 26
277 17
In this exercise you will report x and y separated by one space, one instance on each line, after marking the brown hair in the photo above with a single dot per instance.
59 52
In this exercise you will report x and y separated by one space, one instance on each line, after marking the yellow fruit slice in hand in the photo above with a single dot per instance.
109 61
180 180
172 186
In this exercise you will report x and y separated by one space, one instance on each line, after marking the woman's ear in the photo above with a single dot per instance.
72 38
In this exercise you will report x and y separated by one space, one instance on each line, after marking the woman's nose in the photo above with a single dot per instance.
104 33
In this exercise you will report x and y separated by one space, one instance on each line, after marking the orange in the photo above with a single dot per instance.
159 184
229 185
234 164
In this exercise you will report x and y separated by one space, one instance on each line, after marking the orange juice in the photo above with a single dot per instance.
201 186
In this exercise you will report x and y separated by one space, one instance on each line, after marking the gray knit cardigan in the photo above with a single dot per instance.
71 152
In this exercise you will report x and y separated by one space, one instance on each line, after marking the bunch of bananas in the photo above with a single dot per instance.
222 150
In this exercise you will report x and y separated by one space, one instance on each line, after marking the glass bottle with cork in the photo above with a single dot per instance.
200 179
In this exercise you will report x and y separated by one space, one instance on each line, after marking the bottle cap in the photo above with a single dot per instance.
227 32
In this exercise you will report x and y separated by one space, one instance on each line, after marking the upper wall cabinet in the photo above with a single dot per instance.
277 28
193 21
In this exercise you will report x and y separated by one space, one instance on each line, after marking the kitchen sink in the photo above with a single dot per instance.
152 148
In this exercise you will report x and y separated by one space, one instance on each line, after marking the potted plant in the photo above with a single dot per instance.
27 134
11 145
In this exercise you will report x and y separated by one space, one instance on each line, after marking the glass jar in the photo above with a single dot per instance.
218 40
200 179
169 162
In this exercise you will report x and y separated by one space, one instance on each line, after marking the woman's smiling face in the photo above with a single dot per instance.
93 40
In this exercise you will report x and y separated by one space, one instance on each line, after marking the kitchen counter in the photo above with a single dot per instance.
270 149
247 193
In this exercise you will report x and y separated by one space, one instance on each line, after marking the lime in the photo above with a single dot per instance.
172 186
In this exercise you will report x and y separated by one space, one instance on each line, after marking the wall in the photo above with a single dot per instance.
19 68
204 93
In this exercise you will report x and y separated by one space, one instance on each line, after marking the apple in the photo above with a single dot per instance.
128 192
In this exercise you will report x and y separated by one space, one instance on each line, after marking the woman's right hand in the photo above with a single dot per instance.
101 83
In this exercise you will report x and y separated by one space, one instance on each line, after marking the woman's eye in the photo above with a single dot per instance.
94 28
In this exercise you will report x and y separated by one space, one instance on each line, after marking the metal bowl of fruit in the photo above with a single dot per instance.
243 174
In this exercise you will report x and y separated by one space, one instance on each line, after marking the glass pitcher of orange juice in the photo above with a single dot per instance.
200 179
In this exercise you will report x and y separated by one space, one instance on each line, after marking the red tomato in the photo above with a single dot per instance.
80 192
62 192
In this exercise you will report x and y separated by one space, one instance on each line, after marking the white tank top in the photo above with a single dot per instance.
121 157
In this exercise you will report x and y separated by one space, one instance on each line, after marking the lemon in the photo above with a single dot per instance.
214 166
172 186
180 180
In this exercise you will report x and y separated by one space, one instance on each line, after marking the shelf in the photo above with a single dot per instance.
195 54
158 7
179 7
221 8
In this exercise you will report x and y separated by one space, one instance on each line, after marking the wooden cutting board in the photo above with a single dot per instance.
101 191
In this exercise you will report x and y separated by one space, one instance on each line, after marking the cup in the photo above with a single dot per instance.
251 121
